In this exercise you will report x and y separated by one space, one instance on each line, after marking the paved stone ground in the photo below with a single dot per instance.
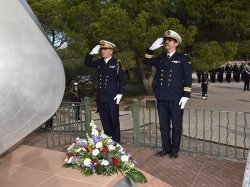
188 169
221 96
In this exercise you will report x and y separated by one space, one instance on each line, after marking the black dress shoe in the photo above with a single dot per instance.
174 155
163 152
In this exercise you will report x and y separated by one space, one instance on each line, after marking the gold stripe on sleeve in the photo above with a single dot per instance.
187 89
148 56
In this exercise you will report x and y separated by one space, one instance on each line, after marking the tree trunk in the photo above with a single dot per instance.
147 80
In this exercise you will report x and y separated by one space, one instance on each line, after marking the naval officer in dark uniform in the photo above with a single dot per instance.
228 71
212 73
76 99
173 89
111 86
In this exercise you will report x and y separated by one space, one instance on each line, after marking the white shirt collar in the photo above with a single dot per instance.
170 54
107 59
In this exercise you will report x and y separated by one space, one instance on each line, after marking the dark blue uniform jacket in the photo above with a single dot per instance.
173 75
111 77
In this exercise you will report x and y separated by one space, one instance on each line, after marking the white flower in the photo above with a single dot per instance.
78 150
87 162
132 165
94 132
84 141
92 124
95 152
111 147
124 158
110 141
66 160
71 147
77 139
98 145
121 149
103 135
90 140
105 162
70 160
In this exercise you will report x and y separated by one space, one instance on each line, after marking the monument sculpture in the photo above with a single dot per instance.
32 79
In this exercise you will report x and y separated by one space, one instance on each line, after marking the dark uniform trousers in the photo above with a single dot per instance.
169 110
220 72
228 71
212 73
204 83
111 81
204 89
76 99
246 75
173 81
109 114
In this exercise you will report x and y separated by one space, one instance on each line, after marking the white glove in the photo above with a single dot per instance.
118 98
183 102
157 44
95 50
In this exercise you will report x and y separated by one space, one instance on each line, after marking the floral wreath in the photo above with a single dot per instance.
101 155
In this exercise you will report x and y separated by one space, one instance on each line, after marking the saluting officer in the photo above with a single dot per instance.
173 89
111 86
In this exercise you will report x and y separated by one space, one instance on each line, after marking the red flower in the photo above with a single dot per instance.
69 155
94 162
87 149
105 149
115 161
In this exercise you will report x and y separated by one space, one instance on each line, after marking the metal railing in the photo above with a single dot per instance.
215 133
70 121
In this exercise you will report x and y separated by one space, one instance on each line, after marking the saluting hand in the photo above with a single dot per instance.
157 44
95 50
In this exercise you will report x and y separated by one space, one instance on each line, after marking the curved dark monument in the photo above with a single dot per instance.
32 79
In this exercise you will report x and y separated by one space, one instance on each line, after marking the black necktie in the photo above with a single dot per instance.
168 56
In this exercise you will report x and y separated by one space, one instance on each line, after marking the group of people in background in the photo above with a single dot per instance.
235 71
